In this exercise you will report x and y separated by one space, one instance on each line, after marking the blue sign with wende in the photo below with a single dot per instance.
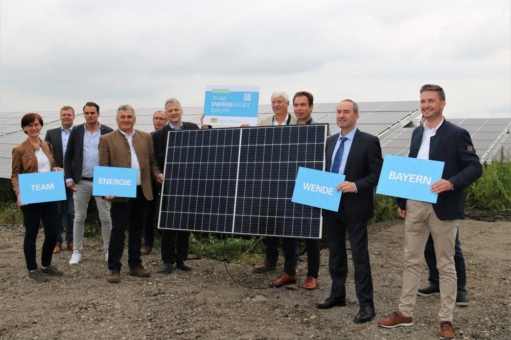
318 189
113 181
41 187
409 178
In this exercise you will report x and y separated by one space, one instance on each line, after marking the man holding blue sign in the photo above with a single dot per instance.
79 161
357 155
128 148
437 139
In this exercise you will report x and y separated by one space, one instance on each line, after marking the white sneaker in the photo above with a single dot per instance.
106 256
76 257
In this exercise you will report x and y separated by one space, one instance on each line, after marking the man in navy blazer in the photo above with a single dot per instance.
82 154
440 140
58 139
174 244
357 155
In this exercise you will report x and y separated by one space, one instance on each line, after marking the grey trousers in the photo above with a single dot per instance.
81 198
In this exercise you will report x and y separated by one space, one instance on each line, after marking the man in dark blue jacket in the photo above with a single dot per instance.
440 140
174 244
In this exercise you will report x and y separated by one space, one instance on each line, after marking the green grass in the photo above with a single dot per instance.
10 214
234 249
493 190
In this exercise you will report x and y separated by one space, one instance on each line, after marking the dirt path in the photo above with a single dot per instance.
208 304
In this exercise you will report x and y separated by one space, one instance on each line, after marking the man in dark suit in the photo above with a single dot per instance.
159 121
128 148
79 161
440 140
357 155
58 138
174 244
303 104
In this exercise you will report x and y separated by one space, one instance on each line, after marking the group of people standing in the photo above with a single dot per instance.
351 152
76 150
430 229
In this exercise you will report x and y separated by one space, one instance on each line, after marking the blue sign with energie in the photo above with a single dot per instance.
231 105
112 181
409 178
41 187
317 189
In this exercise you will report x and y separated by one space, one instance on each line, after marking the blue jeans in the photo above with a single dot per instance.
67 214
459 262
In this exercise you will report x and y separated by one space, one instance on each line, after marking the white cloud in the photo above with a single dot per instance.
57 52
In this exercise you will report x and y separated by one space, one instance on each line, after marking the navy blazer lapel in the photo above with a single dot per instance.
353 150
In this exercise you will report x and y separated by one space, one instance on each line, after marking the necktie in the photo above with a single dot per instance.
338 157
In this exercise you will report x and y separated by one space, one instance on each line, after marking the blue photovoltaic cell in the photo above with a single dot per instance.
241 180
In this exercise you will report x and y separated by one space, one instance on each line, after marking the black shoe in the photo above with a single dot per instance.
462 299
428 291
365 314
183 265
167 268
330 303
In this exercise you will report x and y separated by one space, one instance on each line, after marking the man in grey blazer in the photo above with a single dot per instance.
281 116
58 139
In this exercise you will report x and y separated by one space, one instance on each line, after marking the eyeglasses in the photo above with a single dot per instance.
34 125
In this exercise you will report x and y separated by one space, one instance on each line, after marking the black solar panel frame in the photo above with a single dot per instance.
212 179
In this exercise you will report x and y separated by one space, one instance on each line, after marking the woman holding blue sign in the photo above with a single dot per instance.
32 156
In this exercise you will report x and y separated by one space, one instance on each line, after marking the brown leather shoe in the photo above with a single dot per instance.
311 283
113 277
57 249
146 250
140 272
446 330
283 280
70 246
265 267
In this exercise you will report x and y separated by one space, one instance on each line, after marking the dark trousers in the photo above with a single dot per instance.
33 214
290 246
272 249
126 216
459 262
338 261
149 216
67 214
174 245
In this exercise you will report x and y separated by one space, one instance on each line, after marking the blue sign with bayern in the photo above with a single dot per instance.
409 178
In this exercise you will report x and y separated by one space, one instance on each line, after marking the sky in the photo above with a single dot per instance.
57 52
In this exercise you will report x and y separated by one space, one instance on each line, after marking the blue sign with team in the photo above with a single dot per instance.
41 187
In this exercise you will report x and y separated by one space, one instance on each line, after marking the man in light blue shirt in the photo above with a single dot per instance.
79 161
58 139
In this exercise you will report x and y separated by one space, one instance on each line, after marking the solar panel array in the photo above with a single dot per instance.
388 120
241 180
488 135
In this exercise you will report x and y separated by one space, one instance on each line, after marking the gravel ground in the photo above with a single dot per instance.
227 301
